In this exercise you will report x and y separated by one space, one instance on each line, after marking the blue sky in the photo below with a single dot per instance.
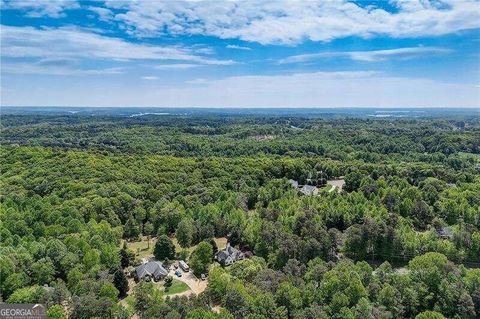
398 53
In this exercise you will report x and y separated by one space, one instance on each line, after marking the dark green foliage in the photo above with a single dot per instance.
120 281
125 258
164 248
168 282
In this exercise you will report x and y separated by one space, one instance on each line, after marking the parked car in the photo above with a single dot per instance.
178 273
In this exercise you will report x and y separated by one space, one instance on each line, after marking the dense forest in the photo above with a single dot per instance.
400 239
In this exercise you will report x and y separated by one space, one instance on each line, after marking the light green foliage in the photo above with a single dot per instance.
108 290
184 233
289 296
201 258
247 269
429 315
201 314
218 280
43 271
31 294
56 312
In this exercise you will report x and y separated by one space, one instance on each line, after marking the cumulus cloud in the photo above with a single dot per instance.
41 8
28 42
291 22
273 22
104 14
369 56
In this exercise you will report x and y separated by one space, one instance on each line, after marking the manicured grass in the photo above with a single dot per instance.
177 287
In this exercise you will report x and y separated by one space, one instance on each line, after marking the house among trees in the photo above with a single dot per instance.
228 255
293 183
308 190
444 233
150 270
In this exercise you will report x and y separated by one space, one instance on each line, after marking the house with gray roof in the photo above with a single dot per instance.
445 233
308 190
228 255
150 270
293 183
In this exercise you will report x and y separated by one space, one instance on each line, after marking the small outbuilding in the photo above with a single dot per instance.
150 270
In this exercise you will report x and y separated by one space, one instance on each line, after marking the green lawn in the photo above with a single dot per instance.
176 287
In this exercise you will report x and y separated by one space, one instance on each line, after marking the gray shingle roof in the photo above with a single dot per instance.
152 269
309 190
228 255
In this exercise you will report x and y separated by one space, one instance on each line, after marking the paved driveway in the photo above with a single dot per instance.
196 285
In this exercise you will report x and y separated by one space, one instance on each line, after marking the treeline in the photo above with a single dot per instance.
341 139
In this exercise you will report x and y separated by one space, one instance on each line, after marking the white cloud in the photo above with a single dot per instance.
273 22
150 77
237 47
40 8
28 42
369 56
291 22
51 69
320 89
179 66
199 49
104 14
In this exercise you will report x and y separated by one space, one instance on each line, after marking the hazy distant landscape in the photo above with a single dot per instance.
280 112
